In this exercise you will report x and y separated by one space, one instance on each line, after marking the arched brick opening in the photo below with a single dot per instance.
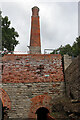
5 99
42 113
38 102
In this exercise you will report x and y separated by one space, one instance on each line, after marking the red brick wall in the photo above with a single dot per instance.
30 87
37 102
35 32
26 68
35 28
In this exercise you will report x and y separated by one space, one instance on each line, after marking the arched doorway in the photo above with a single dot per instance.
42 113
38 102
3 111
5 104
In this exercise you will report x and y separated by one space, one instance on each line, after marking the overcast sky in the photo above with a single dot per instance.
58 22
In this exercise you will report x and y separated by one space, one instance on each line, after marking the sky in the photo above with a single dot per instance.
58 22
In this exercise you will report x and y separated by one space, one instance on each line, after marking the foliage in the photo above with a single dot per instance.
73 50
9 35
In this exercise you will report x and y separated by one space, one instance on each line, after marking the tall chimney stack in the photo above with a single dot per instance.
35 44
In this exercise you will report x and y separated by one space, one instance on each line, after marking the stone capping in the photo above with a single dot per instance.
58 55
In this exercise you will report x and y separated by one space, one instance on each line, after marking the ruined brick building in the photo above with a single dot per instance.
31 81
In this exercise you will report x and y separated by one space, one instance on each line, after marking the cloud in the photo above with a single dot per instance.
58 22
60 26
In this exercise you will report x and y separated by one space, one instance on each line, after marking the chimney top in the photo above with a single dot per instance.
35 11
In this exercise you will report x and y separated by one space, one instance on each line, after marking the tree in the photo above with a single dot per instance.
73 50
9 35
63 50
66 50
76 47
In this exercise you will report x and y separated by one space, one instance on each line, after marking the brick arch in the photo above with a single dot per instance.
5 99
37 102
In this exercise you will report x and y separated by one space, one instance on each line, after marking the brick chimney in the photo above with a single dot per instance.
35 45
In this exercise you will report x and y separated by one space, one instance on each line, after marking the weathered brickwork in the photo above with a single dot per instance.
32 68
31 81
26 98
72 77
35 44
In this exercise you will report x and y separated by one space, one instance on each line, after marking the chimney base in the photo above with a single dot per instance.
35 50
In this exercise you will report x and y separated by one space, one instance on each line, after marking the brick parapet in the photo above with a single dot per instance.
27 68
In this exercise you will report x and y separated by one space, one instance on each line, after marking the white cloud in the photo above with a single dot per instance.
58 22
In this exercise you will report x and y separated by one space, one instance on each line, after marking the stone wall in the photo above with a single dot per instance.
67 61
72 78
21 95
31 82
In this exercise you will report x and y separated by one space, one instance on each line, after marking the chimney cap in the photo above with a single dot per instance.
35 7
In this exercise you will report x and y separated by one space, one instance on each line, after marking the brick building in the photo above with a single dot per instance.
31 81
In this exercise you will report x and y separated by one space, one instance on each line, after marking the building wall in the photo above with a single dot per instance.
21 95
67 61
72 78
31 81
32 68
